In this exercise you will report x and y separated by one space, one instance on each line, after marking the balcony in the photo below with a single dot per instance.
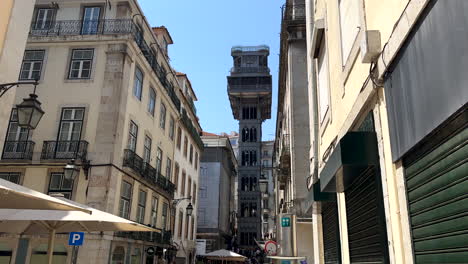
79 27
148 172
18 150
192 130
66 150
108 27
160 238
294 13
250 70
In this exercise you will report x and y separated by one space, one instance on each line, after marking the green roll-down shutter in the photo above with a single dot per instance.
331 235
437 189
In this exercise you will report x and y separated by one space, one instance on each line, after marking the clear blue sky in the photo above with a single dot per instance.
204 32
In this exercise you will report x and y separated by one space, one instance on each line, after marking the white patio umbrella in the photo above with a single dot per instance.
14 196
225 255
53 221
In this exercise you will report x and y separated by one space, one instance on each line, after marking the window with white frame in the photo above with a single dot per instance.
81 64
147 149
349 24
171 128
141 207
168 168
132 136
162 117
191 154
324 93
164 215
154 211
151 101
125 200
59 184
44 18
16 140
138 83
32 65
71 123
159 156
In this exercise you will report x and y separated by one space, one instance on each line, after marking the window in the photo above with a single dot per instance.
138 83
44 18
171 128
13 177
81 63
203 192
159 156
185 146
253 134
249 113
141 207
349 23
194 196
90 20
191 154
181 218
322 64
249 158
58 184
164 215
118 256
193 228
179 137
132 136
176 175
189 185
187 219
162 117
16 139
32 65
182 187
125 200
196 160
168 168
71 123
147 149
154 211
151 101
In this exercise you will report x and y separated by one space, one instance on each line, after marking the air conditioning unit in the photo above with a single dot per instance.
370 46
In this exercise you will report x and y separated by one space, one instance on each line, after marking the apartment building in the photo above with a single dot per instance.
217 209
269 195
14 28
389 152
187 153
292 144
112 108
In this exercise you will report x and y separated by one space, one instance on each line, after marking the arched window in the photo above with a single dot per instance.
253 158
253 134
245 134
118 256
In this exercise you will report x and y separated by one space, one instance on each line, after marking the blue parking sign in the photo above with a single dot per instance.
76 239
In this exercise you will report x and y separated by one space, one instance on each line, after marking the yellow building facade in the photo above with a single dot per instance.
112 106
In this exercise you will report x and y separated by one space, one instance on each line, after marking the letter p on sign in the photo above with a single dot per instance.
76 238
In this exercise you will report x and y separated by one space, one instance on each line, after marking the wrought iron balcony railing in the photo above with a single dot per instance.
160 238
107 27
148 172
18 150
250 69
294 13
192 130
73 149
80 27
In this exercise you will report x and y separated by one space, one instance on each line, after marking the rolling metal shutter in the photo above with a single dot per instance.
367 231
331 234
437 189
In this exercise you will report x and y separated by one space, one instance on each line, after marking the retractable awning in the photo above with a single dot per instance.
354 153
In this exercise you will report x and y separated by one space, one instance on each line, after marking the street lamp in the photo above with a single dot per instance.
71 170
189 209
263 182
29 111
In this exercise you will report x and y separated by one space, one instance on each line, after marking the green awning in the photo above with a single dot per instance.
354 153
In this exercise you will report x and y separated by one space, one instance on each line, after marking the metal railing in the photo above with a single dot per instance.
285 145
192 130
249 69
161 238
107 27
246 87
148 172
80 27
294 13
19 150
250 48
73 149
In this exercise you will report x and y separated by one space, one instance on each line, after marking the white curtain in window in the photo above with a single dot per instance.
324 97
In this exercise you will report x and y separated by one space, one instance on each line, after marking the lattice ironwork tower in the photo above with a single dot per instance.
249 89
